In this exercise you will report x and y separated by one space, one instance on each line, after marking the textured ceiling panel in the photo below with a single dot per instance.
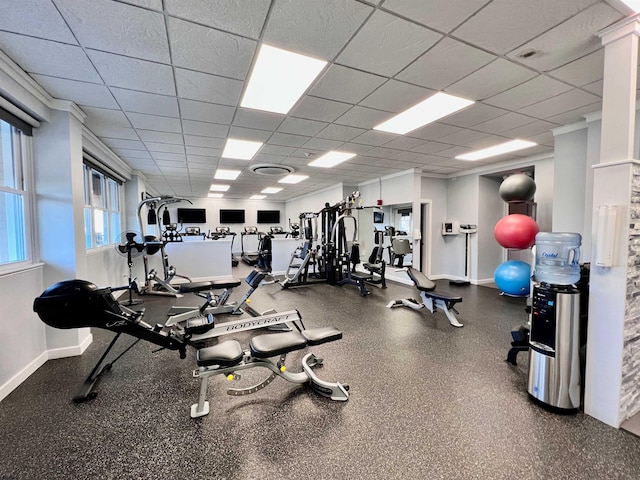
149 103
117 28
36 19
346 84
205 112
559 104
207 50
504 25
204 129
441 15
387 54
208 88
587 69
317 29
82 93
363 117
320 109
155 122
340 132
243 18
395 96
533 91
48 58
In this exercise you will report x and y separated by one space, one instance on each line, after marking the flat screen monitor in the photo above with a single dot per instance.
268 216
192 215
378 217
231 216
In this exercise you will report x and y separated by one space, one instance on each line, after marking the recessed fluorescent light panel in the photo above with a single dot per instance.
433 108
507 147
293 178
226 174
216 195
271 190
219 188
632 4
257 197
279 78
240 149
331 159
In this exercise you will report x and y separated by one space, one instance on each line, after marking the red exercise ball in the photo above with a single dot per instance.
516 231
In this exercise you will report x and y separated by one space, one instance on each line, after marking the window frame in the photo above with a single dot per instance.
105 207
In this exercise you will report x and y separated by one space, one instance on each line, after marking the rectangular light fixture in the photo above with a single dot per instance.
257 197
271 190
219 188
507 147
632 4
216 195
279 78
222 174
240 149
331 159
293 178
433 108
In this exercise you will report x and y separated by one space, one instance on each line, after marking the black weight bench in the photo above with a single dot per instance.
431 300
228 357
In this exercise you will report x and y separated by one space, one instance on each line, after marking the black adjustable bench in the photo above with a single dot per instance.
431 299
228 357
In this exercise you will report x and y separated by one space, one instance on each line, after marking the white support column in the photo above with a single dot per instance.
612 390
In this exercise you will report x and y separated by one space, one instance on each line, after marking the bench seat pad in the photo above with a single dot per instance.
318 336
207 285
270 345
226 354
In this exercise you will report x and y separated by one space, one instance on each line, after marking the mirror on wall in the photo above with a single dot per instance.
386 227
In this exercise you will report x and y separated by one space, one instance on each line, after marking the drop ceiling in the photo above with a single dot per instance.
161 80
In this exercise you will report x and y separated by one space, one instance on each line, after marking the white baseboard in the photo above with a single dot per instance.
15 381
70 351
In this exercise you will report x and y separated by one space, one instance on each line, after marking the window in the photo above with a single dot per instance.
102 217
13 196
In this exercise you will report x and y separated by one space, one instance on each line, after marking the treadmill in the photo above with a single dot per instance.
250 258
224 231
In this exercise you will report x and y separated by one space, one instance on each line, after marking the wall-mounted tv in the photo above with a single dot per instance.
192 215
268 216
378 217
231 216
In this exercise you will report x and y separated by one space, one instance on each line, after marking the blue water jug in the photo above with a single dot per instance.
557 258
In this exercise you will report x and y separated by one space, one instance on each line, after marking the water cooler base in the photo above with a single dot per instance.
551 408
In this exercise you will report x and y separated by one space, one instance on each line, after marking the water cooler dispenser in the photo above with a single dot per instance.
554 339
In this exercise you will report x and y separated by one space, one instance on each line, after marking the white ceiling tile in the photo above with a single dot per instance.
155 147
321 109
204 129
595 87
431 147
117 28
205 112
124 152
446 63
322 144
504 25
209 142
559 104
243 18
203 159
433 131
133 73
395 96
125 144
152 4
149 103
490 80
105 117
82 93
374 138
503 123
36 19
587 69
300 126
208 88
155 122
318 29
530 129
287 140
48 58
208 50
242 133
464 138
363 117
168 156
386 44
568 41
257 119
340 132
277 150
209 152
473 115
179 163
105 131
575 115
527 93
160 137
346 84
442 15
404 143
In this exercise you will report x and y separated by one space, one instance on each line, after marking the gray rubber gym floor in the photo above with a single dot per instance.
427 401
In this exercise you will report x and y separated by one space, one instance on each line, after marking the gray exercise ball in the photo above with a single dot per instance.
517 188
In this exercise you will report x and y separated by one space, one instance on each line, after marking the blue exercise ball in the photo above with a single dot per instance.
513 278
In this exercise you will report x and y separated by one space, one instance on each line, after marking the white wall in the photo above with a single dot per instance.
435 189
462 206
313 202
486 252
